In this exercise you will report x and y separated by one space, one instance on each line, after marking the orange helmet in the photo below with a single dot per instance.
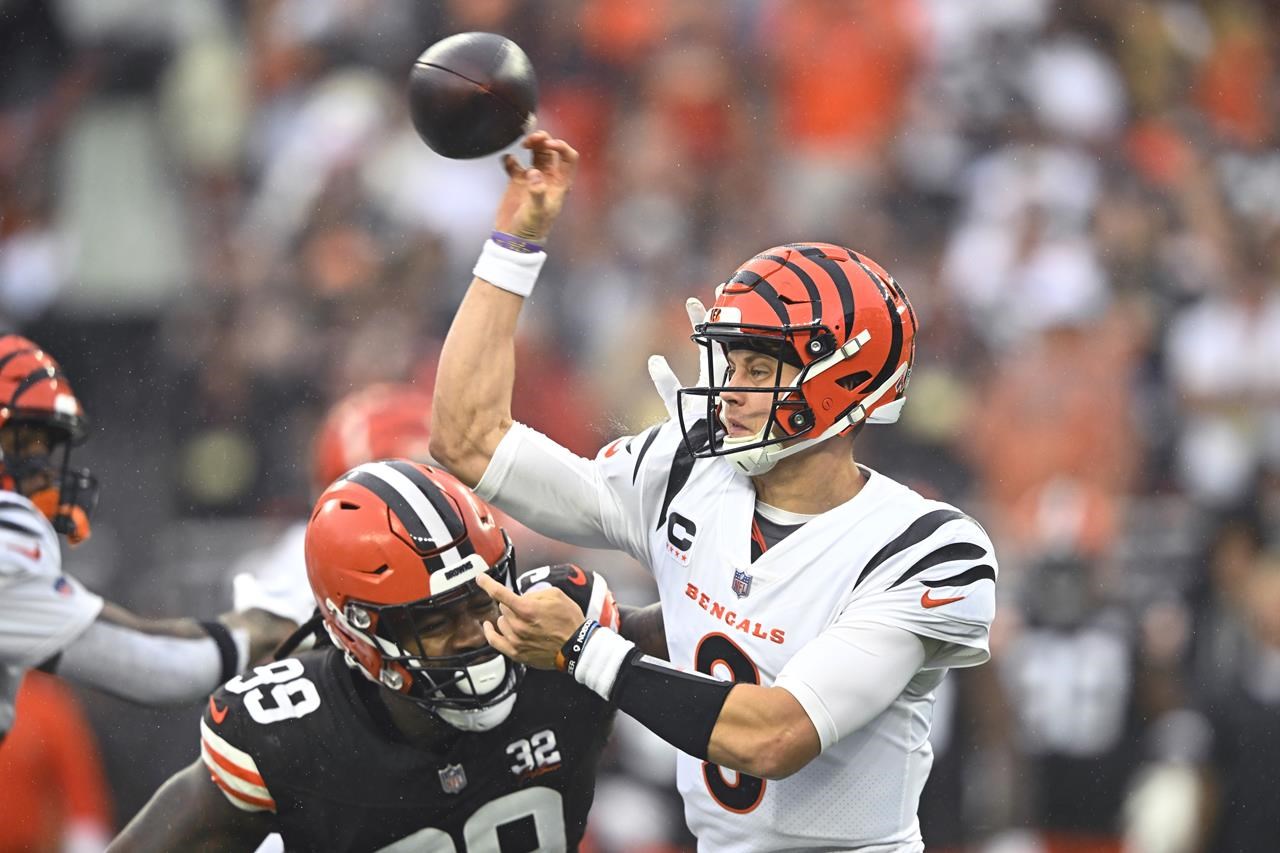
831 312
390 544
378 422
34 392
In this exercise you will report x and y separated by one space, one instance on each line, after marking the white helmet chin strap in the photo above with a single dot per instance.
485 678
754 461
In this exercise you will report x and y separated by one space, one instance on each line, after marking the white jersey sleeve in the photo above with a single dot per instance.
274 578
935 579
609 502
44 609
876 662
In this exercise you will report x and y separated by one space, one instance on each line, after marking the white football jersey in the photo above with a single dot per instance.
274 578
886 557
43 609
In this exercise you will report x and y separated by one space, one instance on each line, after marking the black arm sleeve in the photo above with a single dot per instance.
679 707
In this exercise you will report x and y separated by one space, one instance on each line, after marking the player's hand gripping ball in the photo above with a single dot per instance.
472 94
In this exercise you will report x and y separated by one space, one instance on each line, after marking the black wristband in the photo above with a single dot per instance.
221 636
571 651
679 707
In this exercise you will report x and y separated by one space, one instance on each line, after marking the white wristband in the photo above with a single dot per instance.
514 272
601 660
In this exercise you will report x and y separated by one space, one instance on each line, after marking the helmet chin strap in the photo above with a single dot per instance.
754 461
484 678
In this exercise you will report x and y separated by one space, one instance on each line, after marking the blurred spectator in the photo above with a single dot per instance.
1222 356
1244 720
52 784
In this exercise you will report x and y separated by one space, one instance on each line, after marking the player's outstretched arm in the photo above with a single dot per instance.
189 813
157 661
832 686
471 411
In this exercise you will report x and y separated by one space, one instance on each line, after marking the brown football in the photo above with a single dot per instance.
472 94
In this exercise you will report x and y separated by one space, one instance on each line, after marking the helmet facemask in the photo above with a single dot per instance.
789 426
66 496
835 316
472 690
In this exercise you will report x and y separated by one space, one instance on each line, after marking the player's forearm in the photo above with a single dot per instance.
188 813
762 731
153 663
644 627
471 410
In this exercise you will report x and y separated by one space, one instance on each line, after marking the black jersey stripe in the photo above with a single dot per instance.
27 508
682 466
5 524
400 507
945 554
440 503
977 573
921 529
644 448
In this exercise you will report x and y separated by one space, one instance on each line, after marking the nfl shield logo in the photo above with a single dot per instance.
741 583
453 778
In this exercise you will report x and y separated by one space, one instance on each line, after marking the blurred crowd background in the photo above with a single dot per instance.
216 214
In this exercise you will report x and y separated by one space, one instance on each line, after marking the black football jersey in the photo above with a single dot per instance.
304 739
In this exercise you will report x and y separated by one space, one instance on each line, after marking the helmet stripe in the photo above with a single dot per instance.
43 373
759 286
812 289
439 502
10 356
415 512
767 292
895 319
843 288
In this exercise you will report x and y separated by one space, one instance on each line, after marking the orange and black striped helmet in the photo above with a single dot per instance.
832 313
34 392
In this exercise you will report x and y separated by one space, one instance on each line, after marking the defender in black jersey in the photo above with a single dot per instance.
410 733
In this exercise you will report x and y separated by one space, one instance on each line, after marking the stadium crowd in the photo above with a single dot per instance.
218 214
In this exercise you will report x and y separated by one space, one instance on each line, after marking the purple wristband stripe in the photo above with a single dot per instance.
515 244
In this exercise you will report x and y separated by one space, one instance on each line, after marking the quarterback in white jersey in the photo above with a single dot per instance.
49 619
822 602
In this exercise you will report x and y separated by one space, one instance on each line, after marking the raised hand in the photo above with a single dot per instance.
535 193
532 628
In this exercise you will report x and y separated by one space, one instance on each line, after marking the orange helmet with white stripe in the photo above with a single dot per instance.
42 417
832 313
393 549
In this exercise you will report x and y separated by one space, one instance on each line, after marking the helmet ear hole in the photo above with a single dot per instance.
854 381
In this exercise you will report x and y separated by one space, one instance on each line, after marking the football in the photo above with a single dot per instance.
472 94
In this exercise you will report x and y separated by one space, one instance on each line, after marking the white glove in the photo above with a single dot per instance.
668 384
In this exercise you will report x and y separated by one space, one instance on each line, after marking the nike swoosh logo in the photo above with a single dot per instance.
218 714
29 553
927 602
577 577
613 448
